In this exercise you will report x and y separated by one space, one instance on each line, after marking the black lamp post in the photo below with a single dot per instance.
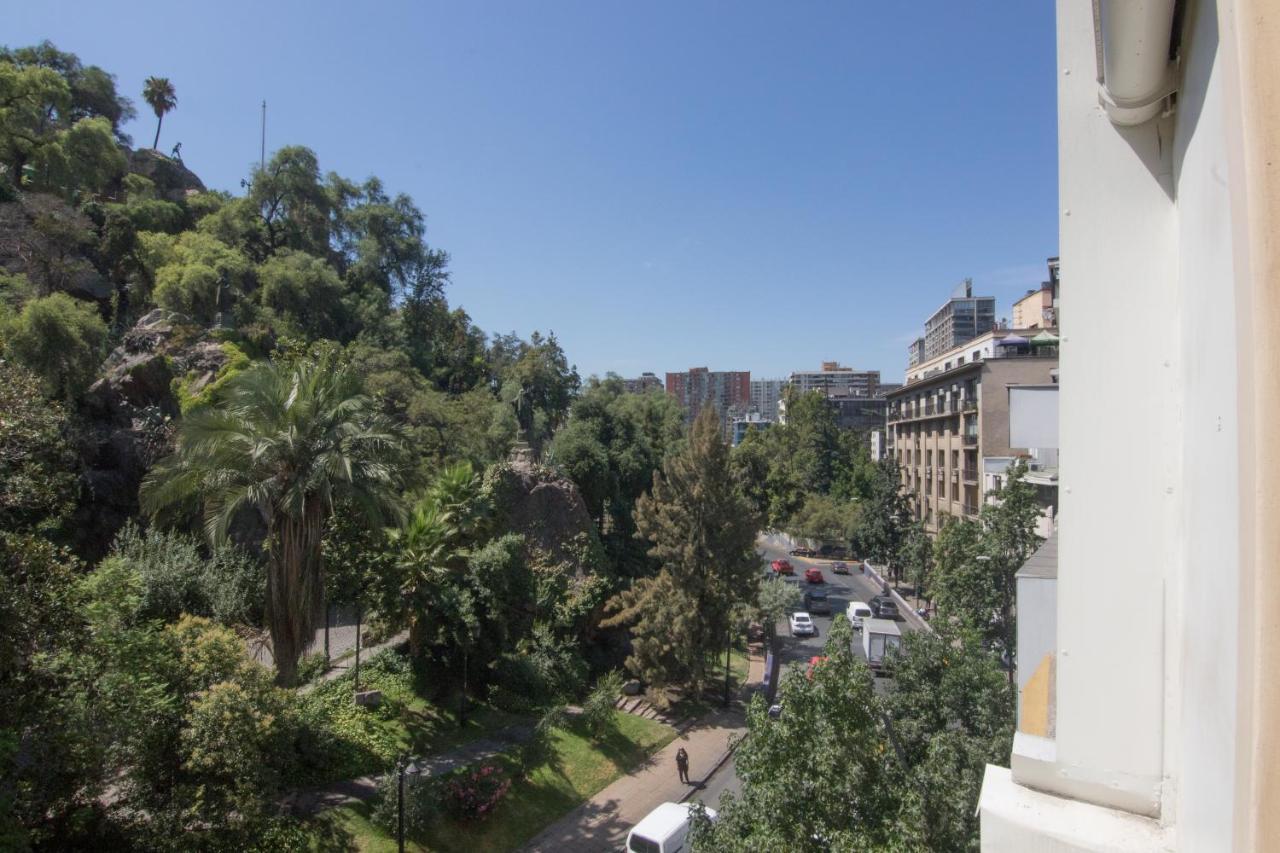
400 768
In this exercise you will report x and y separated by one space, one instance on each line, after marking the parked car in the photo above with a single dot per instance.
840 568
782 567
816 601
884 607
802 625
801 552
813 575
858 612
663 830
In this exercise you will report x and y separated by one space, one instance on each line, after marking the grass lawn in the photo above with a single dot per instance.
577 770
368 740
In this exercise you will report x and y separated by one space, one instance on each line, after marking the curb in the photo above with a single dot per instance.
908 612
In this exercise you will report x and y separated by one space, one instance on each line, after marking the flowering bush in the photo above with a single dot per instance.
473 794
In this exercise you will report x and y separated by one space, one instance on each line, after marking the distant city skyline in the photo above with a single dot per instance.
661 186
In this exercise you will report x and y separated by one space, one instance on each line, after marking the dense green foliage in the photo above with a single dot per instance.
702 532
288 440
848 768
61 340
38 484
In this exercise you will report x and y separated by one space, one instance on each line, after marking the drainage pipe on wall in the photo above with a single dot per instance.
1136 76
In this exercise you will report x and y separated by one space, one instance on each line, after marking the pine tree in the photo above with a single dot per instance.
702 531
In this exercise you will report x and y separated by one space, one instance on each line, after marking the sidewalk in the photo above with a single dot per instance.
603 821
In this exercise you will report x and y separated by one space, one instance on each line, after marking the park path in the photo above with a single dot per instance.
602 822
349 791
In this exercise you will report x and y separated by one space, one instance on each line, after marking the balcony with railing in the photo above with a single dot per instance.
970 439
931 409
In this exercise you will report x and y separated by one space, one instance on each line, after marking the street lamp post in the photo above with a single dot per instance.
400 803
728 651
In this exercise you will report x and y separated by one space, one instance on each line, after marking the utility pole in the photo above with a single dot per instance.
262 154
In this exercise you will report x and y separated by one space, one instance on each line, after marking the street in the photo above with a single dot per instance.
841 590
794 651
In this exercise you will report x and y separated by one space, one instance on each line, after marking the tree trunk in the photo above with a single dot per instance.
295 590
159 121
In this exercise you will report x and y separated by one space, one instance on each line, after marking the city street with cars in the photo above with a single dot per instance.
840 588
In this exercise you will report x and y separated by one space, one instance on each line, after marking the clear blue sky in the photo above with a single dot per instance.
755 186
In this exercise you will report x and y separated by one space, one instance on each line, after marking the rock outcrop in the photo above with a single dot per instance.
173 180
545 506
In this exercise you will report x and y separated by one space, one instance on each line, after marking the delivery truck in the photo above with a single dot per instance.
880 637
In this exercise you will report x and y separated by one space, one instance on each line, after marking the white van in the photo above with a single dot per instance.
663 830
858 611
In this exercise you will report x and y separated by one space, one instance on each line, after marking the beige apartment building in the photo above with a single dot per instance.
953 412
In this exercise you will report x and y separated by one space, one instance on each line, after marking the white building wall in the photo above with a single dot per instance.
1203 651
1150 471
1120 436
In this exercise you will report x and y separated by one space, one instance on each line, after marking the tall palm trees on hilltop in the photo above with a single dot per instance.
159 93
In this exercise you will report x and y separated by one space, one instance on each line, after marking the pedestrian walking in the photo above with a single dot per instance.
682 765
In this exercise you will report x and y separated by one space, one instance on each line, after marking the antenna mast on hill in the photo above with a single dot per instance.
262 155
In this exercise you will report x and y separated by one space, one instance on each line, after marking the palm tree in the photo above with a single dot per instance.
159 93
287 439
433 542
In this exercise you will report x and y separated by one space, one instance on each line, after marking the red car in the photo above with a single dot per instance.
782 567
813 575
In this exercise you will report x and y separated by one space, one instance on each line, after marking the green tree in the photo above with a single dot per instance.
287 439
433 546
38 483
775 600
822 776
611 447
60 339
886 514
159 94
304 293
951 710
702 530
915 556
977 562
30 95
195 274
826 518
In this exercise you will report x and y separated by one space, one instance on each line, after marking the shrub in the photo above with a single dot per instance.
598 710
535 751
472 794
61 340
176 577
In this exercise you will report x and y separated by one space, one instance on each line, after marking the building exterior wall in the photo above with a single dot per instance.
728 392
1035 310
837 380
765 394
644 382
1152 225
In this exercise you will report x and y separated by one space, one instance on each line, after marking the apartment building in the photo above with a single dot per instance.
645 382
744 424
765 394
1148 637
961 318
836 380
726 391
1038 309
953 413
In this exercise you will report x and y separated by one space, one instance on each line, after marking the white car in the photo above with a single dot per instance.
802 625
858 610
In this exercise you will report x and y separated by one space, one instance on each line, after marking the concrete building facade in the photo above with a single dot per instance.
961 318
833 379
765 394
644 382
941 427
728 392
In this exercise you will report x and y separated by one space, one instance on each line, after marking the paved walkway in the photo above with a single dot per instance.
351 790
340 668
603 821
